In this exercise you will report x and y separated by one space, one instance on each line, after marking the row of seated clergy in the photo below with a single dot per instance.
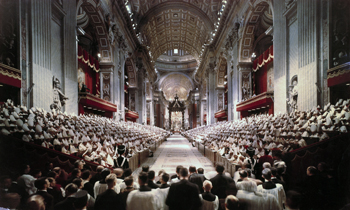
284 132
92 137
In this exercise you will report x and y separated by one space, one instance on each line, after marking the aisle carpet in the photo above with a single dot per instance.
177 151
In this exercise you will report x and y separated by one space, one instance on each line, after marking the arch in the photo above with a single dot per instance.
176 83
163 77
130 69
95 16
250 28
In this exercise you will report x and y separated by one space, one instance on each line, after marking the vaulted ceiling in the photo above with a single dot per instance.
176 84
175 24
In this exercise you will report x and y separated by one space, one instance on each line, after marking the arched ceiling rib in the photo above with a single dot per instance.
175 24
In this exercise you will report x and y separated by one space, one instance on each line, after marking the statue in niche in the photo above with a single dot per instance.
292 100
106 89
59 99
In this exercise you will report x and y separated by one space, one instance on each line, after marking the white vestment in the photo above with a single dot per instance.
146 200
209 205
162 194
277 192
27 182
102 187
259 201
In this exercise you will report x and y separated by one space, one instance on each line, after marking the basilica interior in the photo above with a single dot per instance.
272 74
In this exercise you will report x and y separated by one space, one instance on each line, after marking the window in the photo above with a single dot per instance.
176 51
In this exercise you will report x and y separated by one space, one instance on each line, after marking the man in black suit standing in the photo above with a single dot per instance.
42 184
196 178
220 182
274 178
183 194
68 203
108 199
150 183
86 176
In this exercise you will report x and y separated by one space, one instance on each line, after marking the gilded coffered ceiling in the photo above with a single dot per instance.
176 84
175 24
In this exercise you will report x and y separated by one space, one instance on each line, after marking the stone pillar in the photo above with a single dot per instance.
194 115
118 96
140 97
151 112
212 98
203 109
52 52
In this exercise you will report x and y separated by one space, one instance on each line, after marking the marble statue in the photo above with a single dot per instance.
58 97
293 95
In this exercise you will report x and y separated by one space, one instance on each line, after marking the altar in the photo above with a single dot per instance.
176 115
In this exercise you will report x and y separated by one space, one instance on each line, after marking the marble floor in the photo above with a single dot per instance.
177 150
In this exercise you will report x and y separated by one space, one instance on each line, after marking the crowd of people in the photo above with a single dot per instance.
188 188
284 132
91 137
256 144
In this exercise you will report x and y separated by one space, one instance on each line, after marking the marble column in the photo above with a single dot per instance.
212 97
140 97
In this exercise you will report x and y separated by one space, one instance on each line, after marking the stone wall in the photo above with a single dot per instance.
53 52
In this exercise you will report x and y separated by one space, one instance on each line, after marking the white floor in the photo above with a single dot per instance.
177 151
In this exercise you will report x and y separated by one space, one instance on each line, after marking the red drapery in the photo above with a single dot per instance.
261 64
10 76
263 59
261 80
84 57
91 68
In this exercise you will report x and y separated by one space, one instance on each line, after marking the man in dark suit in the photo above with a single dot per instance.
97 176
109 199
196 178
42 184
88 186
268 184
220 182
129 182
150 183
274 178
183 194
121 161
68 203
54 191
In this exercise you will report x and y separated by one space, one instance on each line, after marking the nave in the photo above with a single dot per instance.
177 150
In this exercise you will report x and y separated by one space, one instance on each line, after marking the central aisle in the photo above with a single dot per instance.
177 150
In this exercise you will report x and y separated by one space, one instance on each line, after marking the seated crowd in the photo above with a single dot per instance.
54 188
282 132
90 137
